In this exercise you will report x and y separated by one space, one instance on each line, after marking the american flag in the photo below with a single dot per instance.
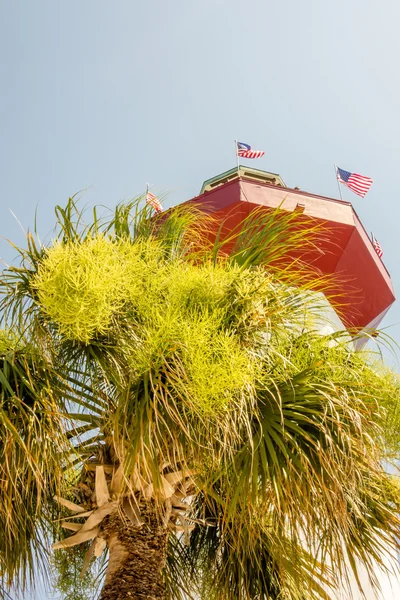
245 151
377 246
153 201
357 183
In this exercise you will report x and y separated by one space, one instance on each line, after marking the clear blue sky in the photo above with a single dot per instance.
109 95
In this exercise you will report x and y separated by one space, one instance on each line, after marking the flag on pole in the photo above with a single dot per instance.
154 202
245 151
359 184
377 246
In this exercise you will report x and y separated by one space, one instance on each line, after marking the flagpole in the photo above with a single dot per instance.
338 183
237 158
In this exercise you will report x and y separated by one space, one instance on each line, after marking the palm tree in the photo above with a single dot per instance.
168 403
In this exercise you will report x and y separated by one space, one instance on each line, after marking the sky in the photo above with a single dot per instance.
105 96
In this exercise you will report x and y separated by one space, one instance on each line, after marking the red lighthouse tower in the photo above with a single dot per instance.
363 283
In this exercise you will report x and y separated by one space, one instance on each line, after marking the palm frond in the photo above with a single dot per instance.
33 452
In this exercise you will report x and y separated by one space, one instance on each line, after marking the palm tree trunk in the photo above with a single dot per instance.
137 558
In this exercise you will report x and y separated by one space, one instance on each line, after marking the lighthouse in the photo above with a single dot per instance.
361 290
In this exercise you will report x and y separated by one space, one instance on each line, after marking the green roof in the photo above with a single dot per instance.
248 172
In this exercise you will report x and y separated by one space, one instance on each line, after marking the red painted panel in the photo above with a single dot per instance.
366 287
